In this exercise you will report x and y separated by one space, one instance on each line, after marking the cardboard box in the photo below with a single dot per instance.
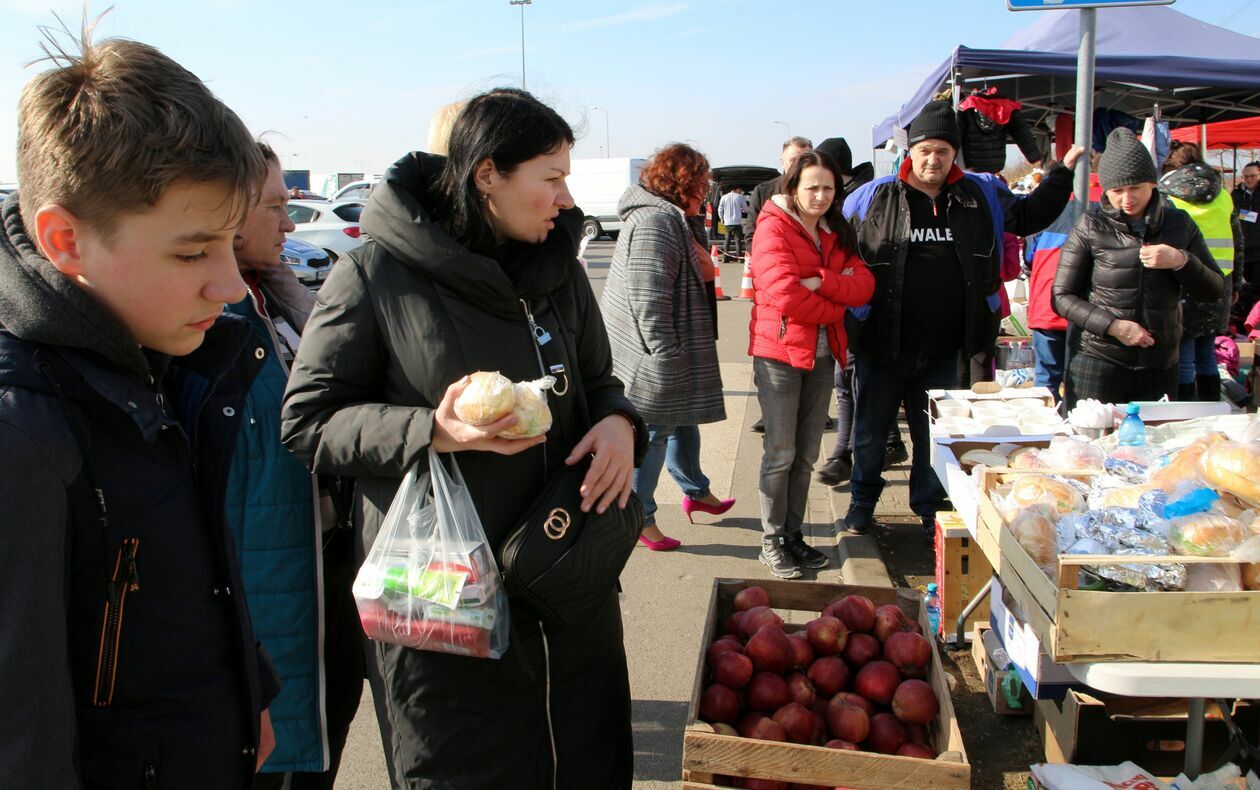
1090 728
1043 678
983 645
961 572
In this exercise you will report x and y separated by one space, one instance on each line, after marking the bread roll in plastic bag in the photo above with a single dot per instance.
1206 534
1066 454
1184 464
489 397
1033 528
1233 467
1251 576
533 415
1030 490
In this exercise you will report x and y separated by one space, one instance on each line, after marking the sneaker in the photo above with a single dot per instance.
758 427
835 472
895 454
859 519
806 555
775 556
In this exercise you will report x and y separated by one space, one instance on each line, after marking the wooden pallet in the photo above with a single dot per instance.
707 753
1090 625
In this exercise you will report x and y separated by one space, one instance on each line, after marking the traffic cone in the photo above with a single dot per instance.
717 284
746 284
715 252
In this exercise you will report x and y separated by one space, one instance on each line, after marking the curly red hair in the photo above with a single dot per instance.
678 173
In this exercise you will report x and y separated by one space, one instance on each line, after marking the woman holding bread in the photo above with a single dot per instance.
472 267
1121 278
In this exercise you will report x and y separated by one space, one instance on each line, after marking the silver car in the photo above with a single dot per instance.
332 226
308 262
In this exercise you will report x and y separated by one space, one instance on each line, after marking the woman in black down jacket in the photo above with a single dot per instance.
1121 278
472 266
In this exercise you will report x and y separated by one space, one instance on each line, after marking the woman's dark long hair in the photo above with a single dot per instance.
845 235
508 126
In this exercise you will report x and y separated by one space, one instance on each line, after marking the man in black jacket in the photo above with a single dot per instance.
932 236
127 657
1247 201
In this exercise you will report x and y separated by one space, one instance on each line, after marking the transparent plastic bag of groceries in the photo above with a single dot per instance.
430 581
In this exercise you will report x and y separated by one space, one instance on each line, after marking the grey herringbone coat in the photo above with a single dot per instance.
657 313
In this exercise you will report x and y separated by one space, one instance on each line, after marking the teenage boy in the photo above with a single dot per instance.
127 658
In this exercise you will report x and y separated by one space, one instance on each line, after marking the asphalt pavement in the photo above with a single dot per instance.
665 593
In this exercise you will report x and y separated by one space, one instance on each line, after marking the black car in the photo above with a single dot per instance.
724 180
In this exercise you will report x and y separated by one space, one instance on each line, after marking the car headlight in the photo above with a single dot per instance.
292 260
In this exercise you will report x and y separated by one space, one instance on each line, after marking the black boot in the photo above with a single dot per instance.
1209 388
836 471
1187 392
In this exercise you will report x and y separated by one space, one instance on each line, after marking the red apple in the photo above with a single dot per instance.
889 619
748 721
910 653
767 691
718 703
762 727
724 645
765 784
877 681
917 750
769 650
829 675
752 596
732 624
836 743
856 699
755 618
887 734
800 689
857 612
722 728
917 733
915 702
860 650
802 653
826 635
797 722
733 670
847 721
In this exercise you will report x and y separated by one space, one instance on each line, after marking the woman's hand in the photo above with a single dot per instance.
451 434
612 470
1161 256
812 283
1130 333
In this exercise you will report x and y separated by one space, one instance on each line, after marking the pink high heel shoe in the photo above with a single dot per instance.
690 506
664 544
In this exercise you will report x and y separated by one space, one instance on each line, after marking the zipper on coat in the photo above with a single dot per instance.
551 732
125 579
541 338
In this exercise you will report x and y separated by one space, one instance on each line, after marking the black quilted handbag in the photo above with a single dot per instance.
561 561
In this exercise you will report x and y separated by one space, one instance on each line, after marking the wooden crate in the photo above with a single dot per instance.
961 571
983 643
1086 625
707 753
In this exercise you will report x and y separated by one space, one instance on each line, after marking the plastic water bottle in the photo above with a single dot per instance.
1132 431
932 601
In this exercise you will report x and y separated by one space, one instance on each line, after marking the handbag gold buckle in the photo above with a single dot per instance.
557 523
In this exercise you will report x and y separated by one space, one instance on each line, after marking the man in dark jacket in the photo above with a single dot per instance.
1247 201
792 149
127 657
932 236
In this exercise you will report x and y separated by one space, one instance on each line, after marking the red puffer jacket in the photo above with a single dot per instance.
786 315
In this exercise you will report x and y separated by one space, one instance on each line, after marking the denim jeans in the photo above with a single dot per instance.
793 405
844 415
676 447
1196 357
1050 348
882 386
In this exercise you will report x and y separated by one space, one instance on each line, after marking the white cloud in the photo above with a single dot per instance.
641 15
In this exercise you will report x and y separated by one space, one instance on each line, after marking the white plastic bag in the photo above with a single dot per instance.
430 581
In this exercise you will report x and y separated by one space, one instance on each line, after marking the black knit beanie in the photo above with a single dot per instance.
1125 161
935 122
838 149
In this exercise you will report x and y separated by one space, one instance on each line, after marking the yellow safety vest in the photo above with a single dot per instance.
1213 220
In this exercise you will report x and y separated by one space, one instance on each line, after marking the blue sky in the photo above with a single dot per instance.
345 86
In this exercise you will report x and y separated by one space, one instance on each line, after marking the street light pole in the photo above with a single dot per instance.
607 144
522 4
785 125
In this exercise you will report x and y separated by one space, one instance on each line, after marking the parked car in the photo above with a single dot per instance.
5 189
355 190
310 263
724 180
331 225
597 186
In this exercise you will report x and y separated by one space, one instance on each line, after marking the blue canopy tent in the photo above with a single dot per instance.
1214 75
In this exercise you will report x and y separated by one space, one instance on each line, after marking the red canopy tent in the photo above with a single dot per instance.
1240 133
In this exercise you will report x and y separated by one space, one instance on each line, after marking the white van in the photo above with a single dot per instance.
597 186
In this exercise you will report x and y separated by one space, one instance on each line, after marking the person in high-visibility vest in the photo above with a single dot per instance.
1196 188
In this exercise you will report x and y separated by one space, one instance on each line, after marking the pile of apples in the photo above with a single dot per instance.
850 679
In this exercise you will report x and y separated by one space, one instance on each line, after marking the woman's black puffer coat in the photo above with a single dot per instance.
1101 279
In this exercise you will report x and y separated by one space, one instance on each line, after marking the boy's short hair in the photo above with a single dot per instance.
107 129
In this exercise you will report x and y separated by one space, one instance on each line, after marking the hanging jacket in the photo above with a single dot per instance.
1101 279
986 120
398 321
656 309
980 208
1196 189
271 505
126 651
786 315
1042 253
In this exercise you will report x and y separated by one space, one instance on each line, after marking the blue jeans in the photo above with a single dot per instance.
793 405
882 386
1196 357
1050 347
676 447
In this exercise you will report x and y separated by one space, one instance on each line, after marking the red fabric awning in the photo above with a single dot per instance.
1242 133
